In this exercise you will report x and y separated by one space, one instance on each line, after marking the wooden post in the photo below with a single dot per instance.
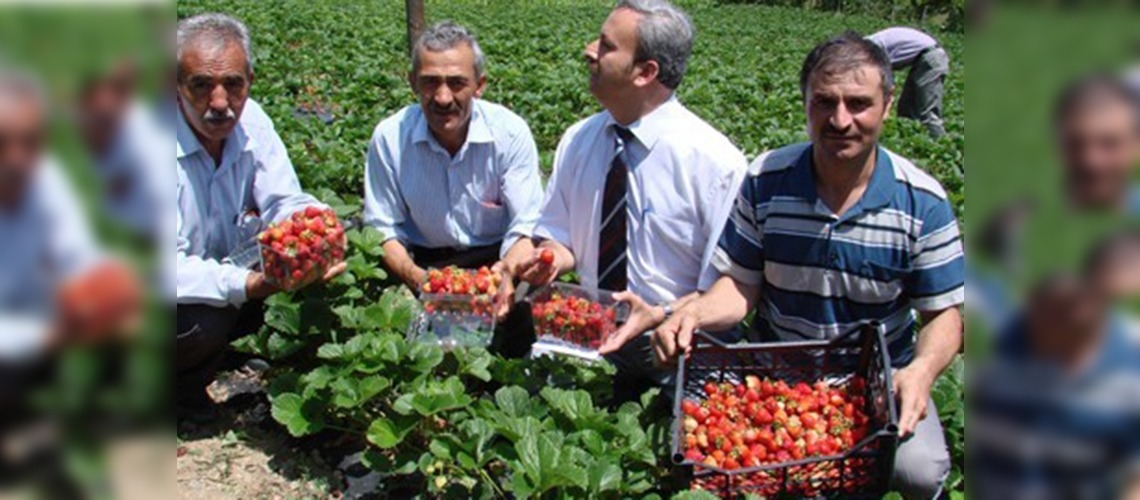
415 11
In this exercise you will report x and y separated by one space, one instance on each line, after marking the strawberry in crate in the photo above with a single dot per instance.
299 250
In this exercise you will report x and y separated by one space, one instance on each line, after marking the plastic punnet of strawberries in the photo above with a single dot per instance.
765 422
443 285
573 319
299 250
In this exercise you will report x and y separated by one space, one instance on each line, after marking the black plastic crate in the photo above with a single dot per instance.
861 472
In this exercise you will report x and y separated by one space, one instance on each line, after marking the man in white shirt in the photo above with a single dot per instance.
921 97
454 179
231 164
639 191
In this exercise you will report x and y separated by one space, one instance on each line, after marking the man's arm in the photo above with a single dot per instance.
276 189
521 185
721 308
399 262
937 288
938 343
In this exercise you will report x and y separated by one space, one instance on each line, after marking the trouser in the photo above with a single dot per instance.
515 334
204 336
922 461
921 97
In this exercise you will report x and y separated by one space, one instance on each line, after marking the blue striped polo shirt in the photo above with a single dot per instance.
896 251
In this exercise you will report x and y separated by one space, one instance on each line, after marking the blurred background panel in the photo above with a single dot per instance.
79 413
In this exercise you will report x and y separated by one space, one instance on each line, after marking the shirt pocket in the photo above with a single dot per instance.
490 221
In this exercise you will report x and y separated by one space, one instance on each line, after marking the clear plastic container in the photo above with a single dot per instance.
296 271
572 320
451 320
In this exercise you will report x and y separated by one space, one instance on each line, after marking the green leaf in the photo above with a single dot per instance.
424 357
351 393
386 433
330 351
434 397
604 476
291 411
513 401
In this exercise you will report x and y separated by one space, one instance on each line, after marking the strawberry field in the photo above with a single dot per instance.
465 423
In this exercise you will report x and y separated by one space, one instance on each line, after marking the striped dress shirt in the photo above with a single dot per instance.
489 192
897 251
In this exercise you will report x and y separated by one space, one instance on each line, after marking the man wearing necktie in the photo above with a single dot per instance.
639 191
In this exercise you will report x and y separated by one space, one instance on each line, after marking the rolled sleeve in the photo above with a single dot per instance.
938 278
384 207
521 187
554 219
740 252
206 281
719 204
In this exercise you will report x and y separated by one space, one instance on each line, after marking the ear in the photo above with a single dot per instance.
887 106
412 81
251 78
646 72
481 86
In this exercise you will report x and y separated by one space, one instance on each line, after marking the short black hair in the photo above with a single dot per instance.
1096 87
843 53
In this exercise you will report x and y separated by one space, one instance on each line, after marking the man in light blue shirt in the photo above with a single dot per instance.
454 179
230 164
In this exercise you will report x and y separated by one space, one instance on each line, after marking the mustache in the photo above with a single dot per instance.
213 116
453 108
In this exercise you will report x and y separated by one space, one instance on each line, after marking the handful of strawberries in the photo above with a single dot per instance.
564 313
299 250
443 286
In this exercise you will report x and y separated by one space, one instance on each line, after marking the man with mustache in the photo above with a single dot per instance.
231 165
831 233
453 180
641 190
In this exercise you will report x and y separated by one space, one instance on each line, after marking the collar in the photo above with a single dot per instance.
187 143
478 131
649 128
880 188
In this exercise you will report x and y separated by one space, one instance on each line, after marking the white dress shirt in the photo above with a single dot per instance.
49 242
490 191
683 178
133 171
255 175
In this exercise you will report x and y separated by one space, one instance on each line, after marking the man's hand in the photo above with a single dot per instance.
642 317
334 271
912 390
416 276
258 287
675 336
541 267
505 297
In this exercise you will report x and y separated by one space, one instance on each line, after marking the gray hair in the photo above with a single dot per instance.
447 35
665 35
215 28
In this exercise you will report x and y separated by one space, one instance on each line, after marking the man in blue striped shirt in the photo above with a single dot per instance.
454 179
840 230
